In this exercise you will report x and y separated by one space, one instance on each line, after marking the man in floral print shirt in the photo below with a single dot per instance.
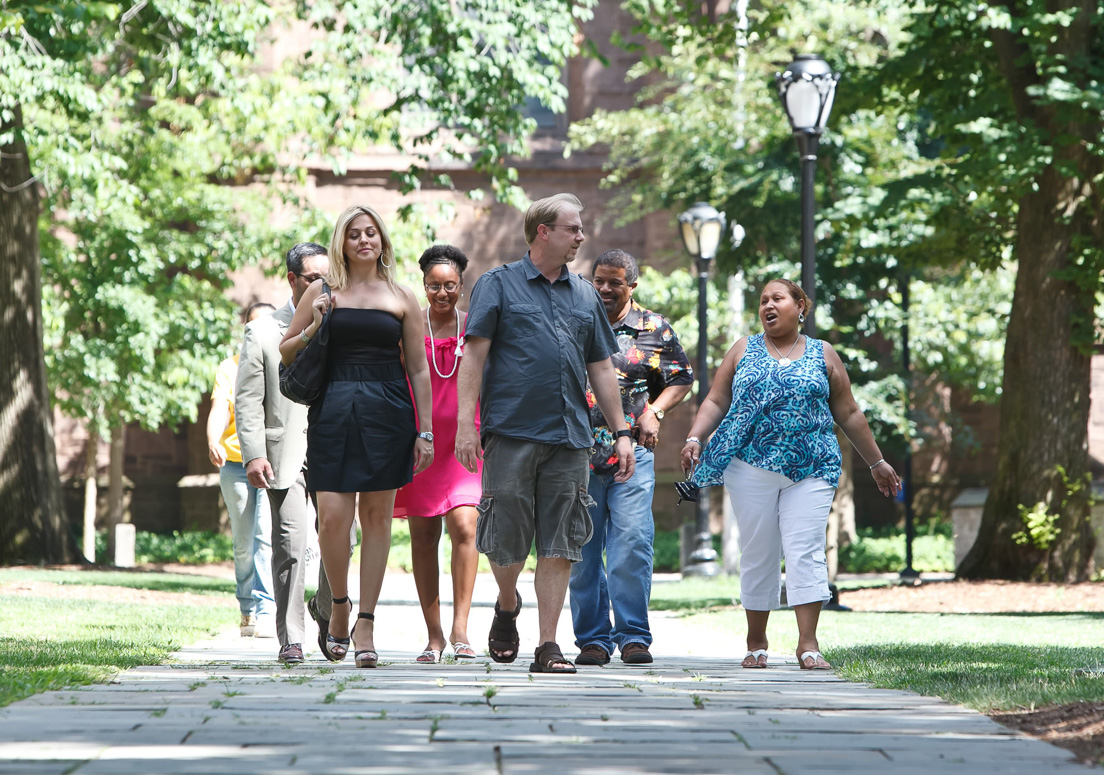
654 375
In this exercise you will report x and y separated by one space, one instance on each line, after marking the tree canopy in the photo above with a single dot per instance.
167 137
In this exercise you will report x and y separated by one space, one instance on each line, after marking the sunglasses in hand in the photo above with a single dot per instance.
687 491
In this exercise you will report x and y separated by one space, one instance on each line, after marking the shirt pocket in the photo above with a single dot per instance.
582 322
523 321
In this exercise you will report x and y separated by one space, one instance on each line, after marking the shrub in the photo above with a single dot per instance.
187 548
877 552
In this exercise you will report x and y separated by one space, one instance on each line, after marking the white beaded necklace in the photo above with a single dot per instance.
433 346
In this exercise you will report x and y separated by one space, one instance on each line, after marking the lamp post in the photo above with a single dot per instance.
701 227
807 88
909 574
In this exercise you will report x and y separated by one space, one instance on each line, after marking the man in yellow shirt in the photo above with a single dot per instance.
250 517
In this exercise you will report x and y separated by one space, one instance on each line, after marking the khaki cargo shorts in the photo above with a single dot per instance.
533 491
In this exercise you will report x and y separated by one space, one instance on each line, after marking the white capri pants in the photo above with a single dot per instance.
779 517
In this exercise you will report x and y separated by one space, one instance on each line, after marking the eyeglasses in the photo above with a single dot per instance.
572 229
449 288
310 278
614 284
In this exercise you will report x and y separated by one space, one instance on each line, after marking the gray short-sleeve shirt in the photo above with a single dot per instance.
542 335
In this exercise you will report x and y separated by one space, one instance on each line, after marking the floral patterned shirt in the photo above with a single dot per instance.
649 360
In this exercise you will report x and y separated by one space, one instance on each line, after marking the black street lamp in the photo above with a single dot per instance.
909 574
701 227
807 88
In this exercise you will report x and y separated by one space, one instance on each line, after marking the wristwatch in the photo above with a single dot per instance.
625 433
427 435
657 412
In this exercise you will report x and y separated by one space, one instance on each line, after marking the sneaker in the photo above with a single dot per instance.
248 626
266 627
291 654
636 653
592 654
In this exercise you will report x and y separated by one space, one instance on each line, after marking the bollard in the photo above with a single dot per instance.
124 545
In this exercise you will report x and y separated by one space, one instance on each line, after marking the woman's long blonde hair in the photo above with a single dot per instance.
338 276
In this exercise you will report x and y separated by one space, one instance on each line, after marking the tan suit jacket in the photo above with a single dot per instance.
269 425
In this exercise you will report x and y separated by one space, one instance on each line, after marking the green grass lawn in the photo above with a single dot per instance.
988 662
50 643
155 581
695 594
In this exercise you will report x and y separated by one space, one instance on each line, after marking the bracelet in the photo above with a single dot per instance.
303 336
693 439
624 433
878 463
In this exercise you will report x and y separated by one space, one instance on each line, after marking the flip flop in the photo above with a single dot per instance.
760 657
817 658
463 651
547 655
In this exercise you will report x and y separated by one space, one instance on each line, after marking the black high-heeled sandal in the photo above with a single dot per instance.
335 649
365 657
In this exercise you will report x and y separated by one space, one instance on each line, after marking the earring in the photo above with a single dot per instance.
801 318
385 264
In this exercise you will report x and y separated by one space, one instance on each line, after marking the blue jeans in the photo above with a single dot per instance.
251 524
624 531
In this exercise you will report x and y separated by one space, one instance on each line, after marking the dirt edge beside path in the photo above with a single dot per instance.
1078 727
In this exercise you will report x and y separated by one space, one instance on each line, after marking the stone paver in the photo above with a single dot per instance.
226 707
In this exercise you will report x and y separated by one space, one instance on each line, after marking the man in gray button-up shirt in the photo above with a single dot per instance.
535 333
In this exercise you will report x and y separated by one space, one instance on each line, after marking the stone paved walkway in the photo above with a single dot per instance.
226 707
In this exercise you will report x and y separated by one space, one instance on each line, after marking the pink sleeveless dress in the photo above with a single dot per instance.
445 484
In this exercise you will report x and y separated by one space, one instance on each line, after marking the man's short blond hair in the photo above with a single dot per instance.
546 211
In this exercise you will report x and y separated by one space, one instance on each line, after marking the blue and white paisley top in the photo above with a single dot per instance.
778 421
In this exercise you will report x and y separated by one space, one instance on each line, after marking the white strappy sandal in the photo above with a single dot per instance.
817 657
429 657
758 654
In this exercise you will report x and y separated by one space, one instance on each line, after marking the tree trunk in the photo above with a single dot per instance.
115 504
1045 402
33 527
90 495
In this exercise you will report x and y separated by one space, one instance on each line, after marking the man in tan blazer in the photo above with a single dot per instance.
273 435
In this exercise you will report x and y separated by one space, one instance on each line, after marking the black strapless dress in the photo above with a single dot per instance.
361 432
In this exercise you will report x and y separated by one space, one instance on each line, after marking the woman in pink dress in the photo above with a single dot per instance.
446 488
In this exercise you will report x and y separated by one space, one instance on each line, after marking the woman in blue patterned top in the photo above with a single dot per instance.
773 403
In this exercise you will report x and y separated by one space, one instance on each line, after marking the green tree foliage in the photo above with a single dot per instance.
167 142
965 136
708 126
146 122
443 80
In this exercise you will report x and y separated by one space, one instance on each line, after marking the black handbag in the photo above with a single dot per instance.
305 379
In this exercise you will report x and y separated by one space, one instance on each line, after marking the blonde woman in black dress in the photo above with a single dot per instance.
362 437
